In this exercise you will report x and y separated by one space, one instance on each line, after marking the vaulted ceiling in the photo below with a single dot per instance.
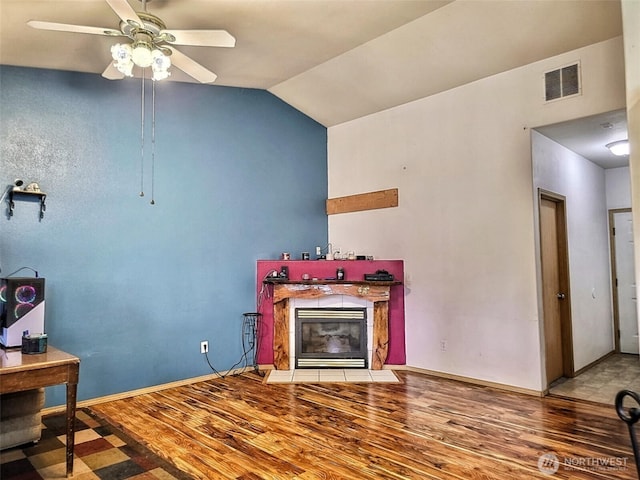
335 60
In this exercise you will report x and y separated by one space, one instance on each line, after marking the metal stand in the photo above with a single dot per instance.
630 417
250 338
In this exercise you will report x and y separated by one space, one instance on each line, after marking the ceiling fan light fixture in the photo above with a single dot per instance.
141 55
141 50
160 75
160 65
122 54
619 148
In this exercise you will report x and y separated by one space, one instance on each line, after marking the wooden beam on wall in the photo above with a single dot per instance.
363 201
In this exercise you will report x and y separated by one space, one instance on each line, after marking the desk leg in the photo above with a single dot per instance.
72 389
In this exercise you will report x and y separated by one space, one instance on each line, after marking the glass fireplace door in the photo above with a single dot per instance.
331 337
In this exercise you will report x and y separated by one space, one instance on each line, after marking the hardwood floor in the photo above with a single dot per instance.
424 428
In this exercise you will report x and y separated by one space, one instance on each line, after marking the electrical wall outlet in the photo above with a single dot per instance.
204 346
443 345
318 251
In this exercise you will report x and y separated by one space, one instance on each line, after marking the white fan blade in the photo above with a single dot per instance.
201 38
112 73
191 67
124 11
64 27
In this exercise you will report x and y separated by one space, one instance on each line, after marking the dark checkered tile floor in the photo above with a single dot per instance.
101 453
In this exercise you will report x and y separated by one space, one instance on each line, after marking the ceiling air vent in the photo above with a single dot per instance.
562 82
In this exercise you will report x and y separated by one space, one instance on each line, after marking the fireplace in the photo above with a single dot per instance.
286 293
331 337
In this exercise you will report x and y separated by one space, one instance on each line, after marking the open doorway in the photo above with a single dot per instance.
572 159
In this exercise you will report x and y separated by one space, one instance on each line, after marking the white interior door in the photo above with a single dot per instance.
625 276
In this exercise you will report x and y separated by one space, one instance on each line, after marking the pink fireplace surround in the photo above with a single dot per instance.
391 299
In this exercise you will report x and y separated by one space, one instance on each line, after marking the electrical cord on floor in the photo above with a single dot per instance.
206 356
249 344
254 343
246 334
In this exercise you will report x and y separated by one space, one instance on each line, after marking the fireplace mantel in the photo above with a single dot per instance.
376 292
370 291
354 271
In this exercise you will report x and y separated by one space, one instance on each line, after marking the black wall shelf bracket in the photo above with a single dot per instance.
15 194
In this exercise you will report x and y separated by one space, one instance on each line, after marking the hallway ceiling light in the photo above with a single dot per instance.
619 148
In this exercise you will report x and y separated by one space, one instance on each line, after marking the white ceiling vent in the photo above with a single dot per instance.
562 82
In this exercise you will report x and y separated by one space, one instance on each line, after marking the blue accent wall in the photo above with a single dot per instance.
132 288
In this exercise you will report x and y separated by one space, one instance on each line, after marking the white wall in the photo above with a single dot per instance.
631 33
462 162
618 184
582 183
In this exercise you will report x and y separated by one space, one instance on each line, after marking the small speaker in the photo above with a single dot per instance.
21 309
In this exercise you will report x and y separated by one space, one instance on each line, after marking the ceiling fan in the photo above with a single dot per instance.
153 44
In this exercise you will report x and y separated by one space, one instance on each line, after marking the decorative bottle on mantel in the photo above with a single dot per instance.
340 273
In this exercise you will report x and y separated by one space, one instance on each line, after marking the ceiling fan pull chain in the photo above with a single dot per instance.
153 140
142 140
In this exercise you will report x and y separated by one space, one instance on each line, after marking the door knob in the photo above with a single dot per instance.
561 296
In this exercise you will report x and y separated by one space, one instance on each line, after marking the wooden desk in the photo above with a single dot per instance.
20 372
